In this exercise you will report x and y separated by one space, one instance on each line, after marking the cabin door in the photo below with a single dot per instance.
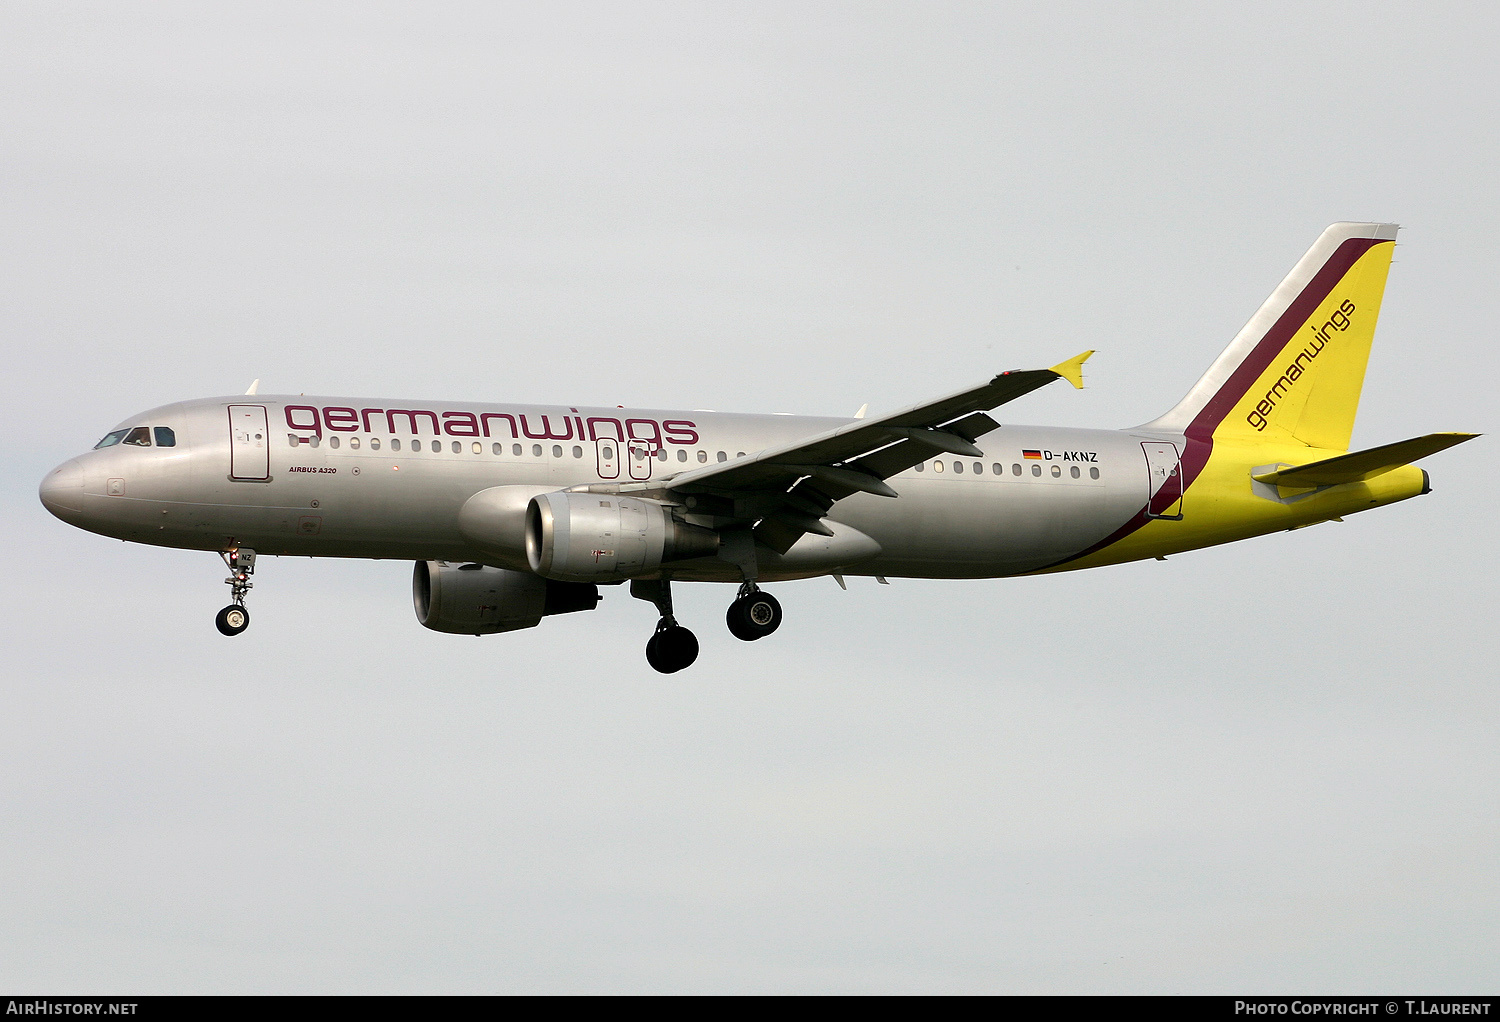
1164 472
249 443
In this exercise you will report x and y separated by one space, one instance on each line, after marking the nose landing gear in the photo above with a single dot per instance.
234 619
754 614
672 647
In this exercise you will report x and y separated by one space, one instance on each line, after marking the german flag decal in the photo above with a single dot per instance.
1032 454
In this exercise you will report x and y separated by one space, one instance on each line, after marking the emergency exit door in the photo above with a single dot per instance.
607 451
249 444
641 453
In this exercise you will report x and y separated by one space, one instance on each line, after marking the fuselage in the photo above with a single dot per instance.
343 477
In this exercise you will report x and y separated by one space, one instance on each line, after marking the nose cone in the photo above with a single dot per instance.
62 491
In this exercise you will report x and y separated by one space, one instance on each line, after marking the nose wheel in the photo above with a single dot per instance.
234 619
754 615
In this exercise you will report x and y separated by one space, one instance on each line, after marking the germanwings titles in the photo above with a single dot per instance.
513 513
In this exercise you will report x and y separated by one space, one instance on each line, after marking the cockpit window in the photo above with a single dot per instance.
112 439
165 437
140 437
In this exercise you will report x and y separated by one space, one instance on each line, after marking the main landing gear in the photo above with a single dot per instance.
234 619
754 614
672 647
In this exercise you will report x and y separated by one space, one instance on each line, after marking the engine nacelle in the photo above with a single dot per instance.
592 537
473 599
493 521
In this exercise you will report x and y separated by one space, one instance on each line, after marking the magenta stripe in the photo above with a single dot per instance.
1277 338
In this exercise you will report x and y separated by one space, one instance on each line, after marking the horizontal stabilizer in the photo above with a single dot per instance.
1352 468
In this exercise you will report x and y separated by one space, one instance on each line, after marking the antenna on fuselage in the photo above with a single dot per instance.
253 387
862 409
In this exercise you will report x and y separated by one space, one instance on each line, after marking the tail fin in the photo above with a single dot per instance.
1294 373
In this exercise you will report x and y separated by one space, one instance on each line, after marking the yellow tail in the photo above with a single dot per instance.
1293 375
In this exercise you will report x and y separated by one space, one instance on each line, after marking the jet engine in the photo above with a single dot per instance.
590 537
473 599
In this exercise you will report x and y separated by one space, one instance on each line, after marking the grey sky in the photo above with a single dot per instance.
1268 767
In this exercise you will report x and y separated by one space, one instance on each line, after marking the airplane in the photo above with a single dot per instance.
513 513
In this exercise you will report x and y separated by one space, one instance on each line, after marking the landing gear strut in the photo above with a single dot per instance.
672 647
234 619
754 614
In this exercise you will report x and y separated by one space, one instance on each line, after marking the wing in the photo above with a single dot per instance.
789 489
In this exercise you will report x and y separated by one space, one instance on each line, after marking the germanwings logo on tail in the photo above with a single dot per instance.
1340 321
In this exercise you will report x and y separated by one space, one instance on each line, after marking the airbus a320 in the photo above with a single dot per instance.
513 513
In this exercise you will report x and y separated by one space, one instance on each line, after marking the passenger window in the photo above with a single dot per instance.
723 457
497 449
165 437
111 439
1093 473
458 448
958 467
1056 471
702 457
1073 471
937 466
661 455
375 444
1036 470
314 440
333 442
354 443
291 440
437 446
138 437
557 450
396 445
478 447
921 465
536 450
609 454
515 449
740 454
682 455
578 452
998 469
979 468
1015 469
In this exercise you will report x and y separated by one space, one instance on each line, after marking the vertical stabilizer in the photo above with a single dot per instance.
1294 373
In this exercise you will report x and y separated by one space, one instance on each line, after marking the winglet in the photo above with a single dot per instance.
1072 369
253 387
